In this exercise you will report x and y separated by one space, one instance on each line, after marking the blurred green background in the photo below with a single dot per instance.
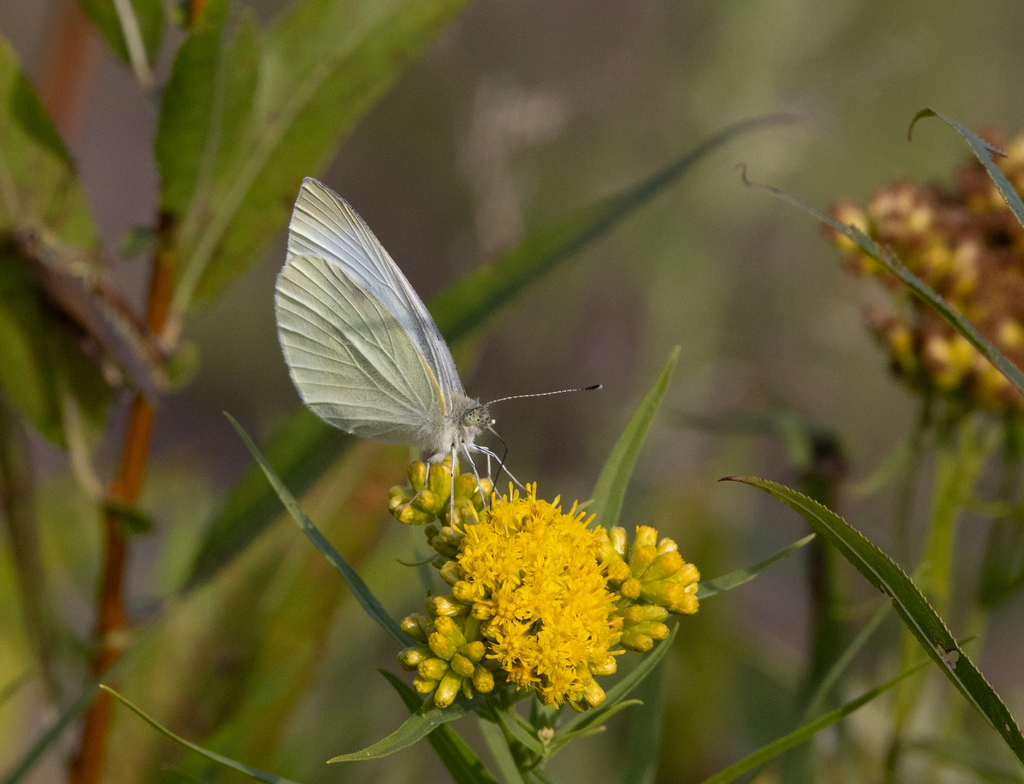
517 114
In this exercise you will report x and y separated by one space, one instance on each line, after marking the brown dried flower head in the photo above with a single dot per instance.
966 244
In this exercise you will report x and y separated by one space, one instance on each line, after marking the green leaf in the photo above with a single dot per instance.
132 32
709 588
205 104
984 151
915 611
499 748
300 451
817 700
640 757
458 758
305 446
227 762
323 65
40 357
798 736
362 593
417 726
477 296
585 723
42 366
611 484
888 259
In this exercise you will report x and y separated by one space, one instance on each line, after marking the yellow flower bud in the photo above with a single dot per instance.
447 690
410 658
432 669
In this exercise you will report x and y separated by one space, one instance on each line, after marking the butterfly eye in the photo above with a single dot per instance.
477 416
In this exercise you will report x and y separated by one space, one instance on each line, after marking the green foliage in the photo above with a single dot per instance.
233 149
128 23
610 490
912 607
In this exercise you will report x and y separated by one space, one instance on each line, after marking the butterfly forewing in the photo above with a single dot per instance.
351 359
323 225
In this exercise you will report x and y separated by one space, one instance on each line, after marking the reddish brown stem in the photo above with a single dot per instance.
112 627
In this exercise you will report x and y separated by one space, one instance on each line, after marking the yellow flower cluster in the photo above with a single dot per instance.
966 244
538 600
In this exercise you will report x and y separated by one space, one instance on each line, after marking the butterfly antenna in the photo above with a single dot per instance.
501 463
503 467
544 394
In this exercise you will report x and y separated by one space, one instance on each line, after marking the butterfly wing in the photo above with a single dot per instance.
325 226
355 365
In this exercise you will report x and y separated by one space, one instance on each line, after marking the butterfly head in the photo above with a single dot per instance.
477 417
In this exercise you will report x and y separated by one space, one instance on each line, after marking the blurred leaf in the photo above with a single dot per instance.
300 451
362 593
820 695
77 282
888 259
24 765
136 241
8 690
500 750
252 773
586 723
38 184
306 446
40 359
458 758
417 726
910 604
984 151
804 733
143 24
523 733
611 484
709 588
323 65
207 99
477 296
957 753
640 757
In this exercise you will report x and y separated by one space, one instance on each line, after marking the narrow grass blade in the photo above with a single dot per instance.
362 593
300 450
820 695
611 484
888 259
253 773
499 749
911 605
798 736
709 588
468 303
458 758
417 726
985 153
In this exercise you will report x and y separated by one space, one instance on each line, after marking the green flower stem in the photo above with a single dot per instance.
908 480
963 446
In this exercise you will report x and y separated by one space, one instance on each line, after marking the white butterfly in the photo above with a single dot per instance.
363 351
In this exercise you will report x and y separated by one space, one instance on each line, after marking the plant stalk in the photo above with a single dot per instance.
112 627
